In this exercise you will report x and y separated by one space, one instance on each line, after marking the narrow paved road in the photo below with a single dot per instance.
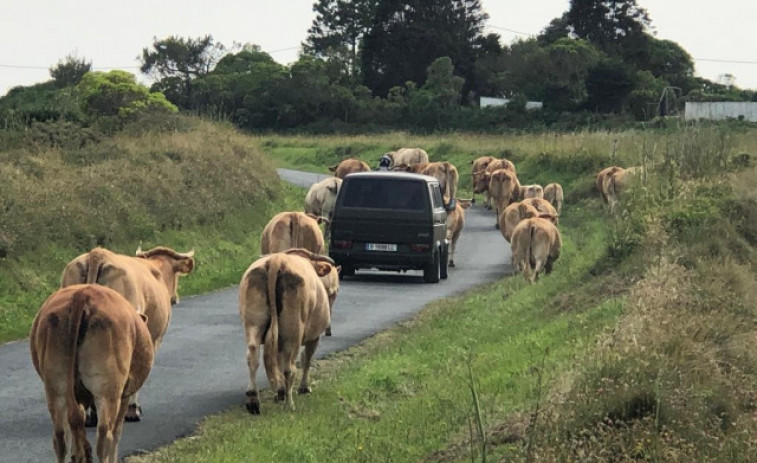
201 368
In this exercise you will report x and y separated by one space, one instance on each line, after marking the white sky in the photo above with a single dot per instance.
36 34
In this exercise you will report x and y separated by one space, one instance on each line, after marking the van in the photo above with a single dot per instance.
390 221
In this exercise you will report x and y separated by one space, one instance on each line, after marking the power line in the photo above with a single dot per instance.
509 30
725 61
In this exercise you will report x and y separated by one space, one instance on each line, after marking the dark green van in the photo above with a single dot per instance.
390 221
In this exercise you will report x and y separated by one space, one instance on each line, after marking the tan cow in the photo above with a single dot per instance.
89 347
619 181
530 191
535 246
148 281
321 199
287 230
455 224
407 156
283 305
601 176
554 194
412 168
447 175
349 166
544 208
330 280
513 215
478 171
481 181
504 188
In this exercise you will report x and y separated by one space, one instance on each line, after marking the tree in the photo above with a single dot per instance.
617 27
405 37
69 71
175 61
338 28
609 85
117 93
671 62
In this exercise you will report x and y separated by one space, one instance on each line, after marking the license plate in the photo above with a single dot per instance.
380 247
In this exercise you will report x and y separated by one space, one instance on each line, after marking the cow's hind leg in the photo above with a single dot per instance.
107 413
289 367
81 452
61 429
253 361
307 358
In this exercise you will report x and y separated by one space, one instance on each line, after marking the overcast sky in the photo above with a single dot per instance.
36 34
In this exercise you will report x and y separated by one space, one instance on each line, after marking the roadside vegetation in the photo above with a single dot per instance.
640 346
173 181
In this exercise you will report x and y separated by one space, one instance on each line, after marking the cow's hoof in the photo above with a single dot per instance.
451 263
281 395
91 420
304 390
328 331
134 414
253 407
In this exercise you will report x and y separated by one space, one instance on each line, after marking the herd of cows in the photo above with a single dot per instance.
94 340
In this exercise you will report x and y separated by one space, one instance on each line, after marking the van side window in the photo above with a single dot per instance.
436 196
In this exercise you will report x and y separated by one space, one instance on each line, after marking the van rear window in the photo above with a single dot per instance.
386 194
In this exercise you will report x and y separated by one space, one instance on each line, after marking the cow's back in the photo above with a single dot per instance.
287 230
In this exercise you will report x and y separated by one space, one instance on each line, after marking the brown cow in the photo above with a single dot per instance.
447 175
149 282
601 176
513 215
478 170
554 194
481 181
545 209
504 188
535 246
89 347
530 191
287 230
283 305
349 166
618 182
407 156
455 224
321 199
330 280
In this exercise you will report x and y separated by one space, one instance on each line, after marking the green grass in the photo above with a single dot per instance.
405 393
223 251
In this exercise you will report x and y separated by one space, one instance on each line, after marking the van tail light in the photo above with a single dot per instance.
420 247
342 244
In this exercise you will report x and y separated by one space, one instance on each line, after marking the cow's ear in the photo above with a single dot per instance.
184 265
143 317
338 269
322 268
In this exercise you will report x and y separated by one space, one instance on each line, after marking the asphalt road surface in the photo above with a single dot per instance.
201 368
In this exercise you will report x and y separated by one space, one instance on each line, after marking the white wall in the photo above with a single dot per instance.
721 110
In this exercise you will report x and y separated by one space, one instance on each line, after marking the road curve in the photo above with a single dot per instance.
201 368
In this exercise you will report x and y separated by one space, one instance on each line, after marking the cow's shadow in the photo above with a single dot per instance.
386 277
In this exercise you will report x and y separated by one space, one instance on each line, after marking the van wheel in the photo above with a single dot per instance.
443 262
432 270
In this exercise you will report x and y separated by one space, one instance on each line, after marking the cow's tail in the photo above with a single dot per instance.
76 330
94 265
271 351
529 264
294 230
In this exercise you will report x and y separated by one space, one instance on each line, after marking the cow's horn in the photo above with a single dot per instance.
139 251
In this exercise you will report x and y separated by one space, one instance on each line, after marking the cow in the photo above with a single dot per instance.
283 305
349 166
448 177
90 347
619 181
455 224
504 188
412 168
481 180
513 215
544 208
554 194
478 169
330 280
149 281
287 230
530 191
535 246
601 176
321 199
407 156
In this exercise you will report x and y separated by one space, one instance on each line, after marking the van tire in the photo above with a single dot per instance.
432 270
